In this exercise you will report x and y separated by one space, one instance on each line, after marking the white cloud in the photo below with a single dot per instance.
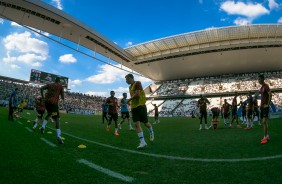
22 48
280 20
109 74
1 21
272 4
58 4
128 44
74 83
67 58
242 21
13 66
249 10
23 43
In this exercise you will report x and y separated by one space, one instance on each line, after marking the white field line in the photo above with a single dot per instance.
28 129
106 171
176 157
48 142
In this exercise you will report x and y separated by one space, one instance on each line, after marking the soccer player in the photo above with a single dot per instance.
105 109
138 108
21 106
244 112
13 104
112 102
51 98
124 112
226 112
215 114
234 111
256 110
156 117
264 106
40 108
250 111
202 104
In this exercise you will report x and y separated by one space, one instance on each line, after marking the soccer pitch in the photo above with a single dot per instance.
180 153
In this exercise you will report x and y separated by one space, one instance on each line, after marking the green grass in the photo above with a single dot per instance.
24 158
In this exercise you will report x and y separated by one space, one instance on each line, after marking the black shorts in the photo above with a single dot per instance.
140 114
264 112
40 114
250 113
53 110
215 115
203 114
113 116
244 113
226 115
105 114
234 113
256 113
124 115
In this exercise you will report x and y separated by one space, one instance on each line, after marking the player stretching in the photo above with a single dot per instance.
138 109
264 107
156 116
215 113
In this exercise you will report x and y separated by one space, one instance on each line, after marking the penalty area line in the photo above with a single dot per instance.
106 171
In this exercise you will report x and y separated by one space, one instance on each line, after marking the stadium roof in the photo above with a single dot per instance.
210 52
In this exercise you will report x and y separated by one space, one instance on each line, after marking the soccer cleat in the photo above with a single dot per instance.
116 134
108 129
267 138
42 130
264 141
152 137
60 141
229 126
141 145
239 126
206 127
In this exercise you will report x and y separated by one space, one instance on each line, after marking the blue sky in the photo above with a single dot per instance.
126 23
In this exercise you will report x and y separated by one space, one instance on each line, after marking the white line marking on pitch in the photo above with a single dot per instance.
19 122
106 171
48 142
176 157
28 129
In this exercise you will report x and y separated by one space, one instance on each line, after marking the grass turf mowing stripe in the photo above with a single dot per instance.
48 142
19 122
106 171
